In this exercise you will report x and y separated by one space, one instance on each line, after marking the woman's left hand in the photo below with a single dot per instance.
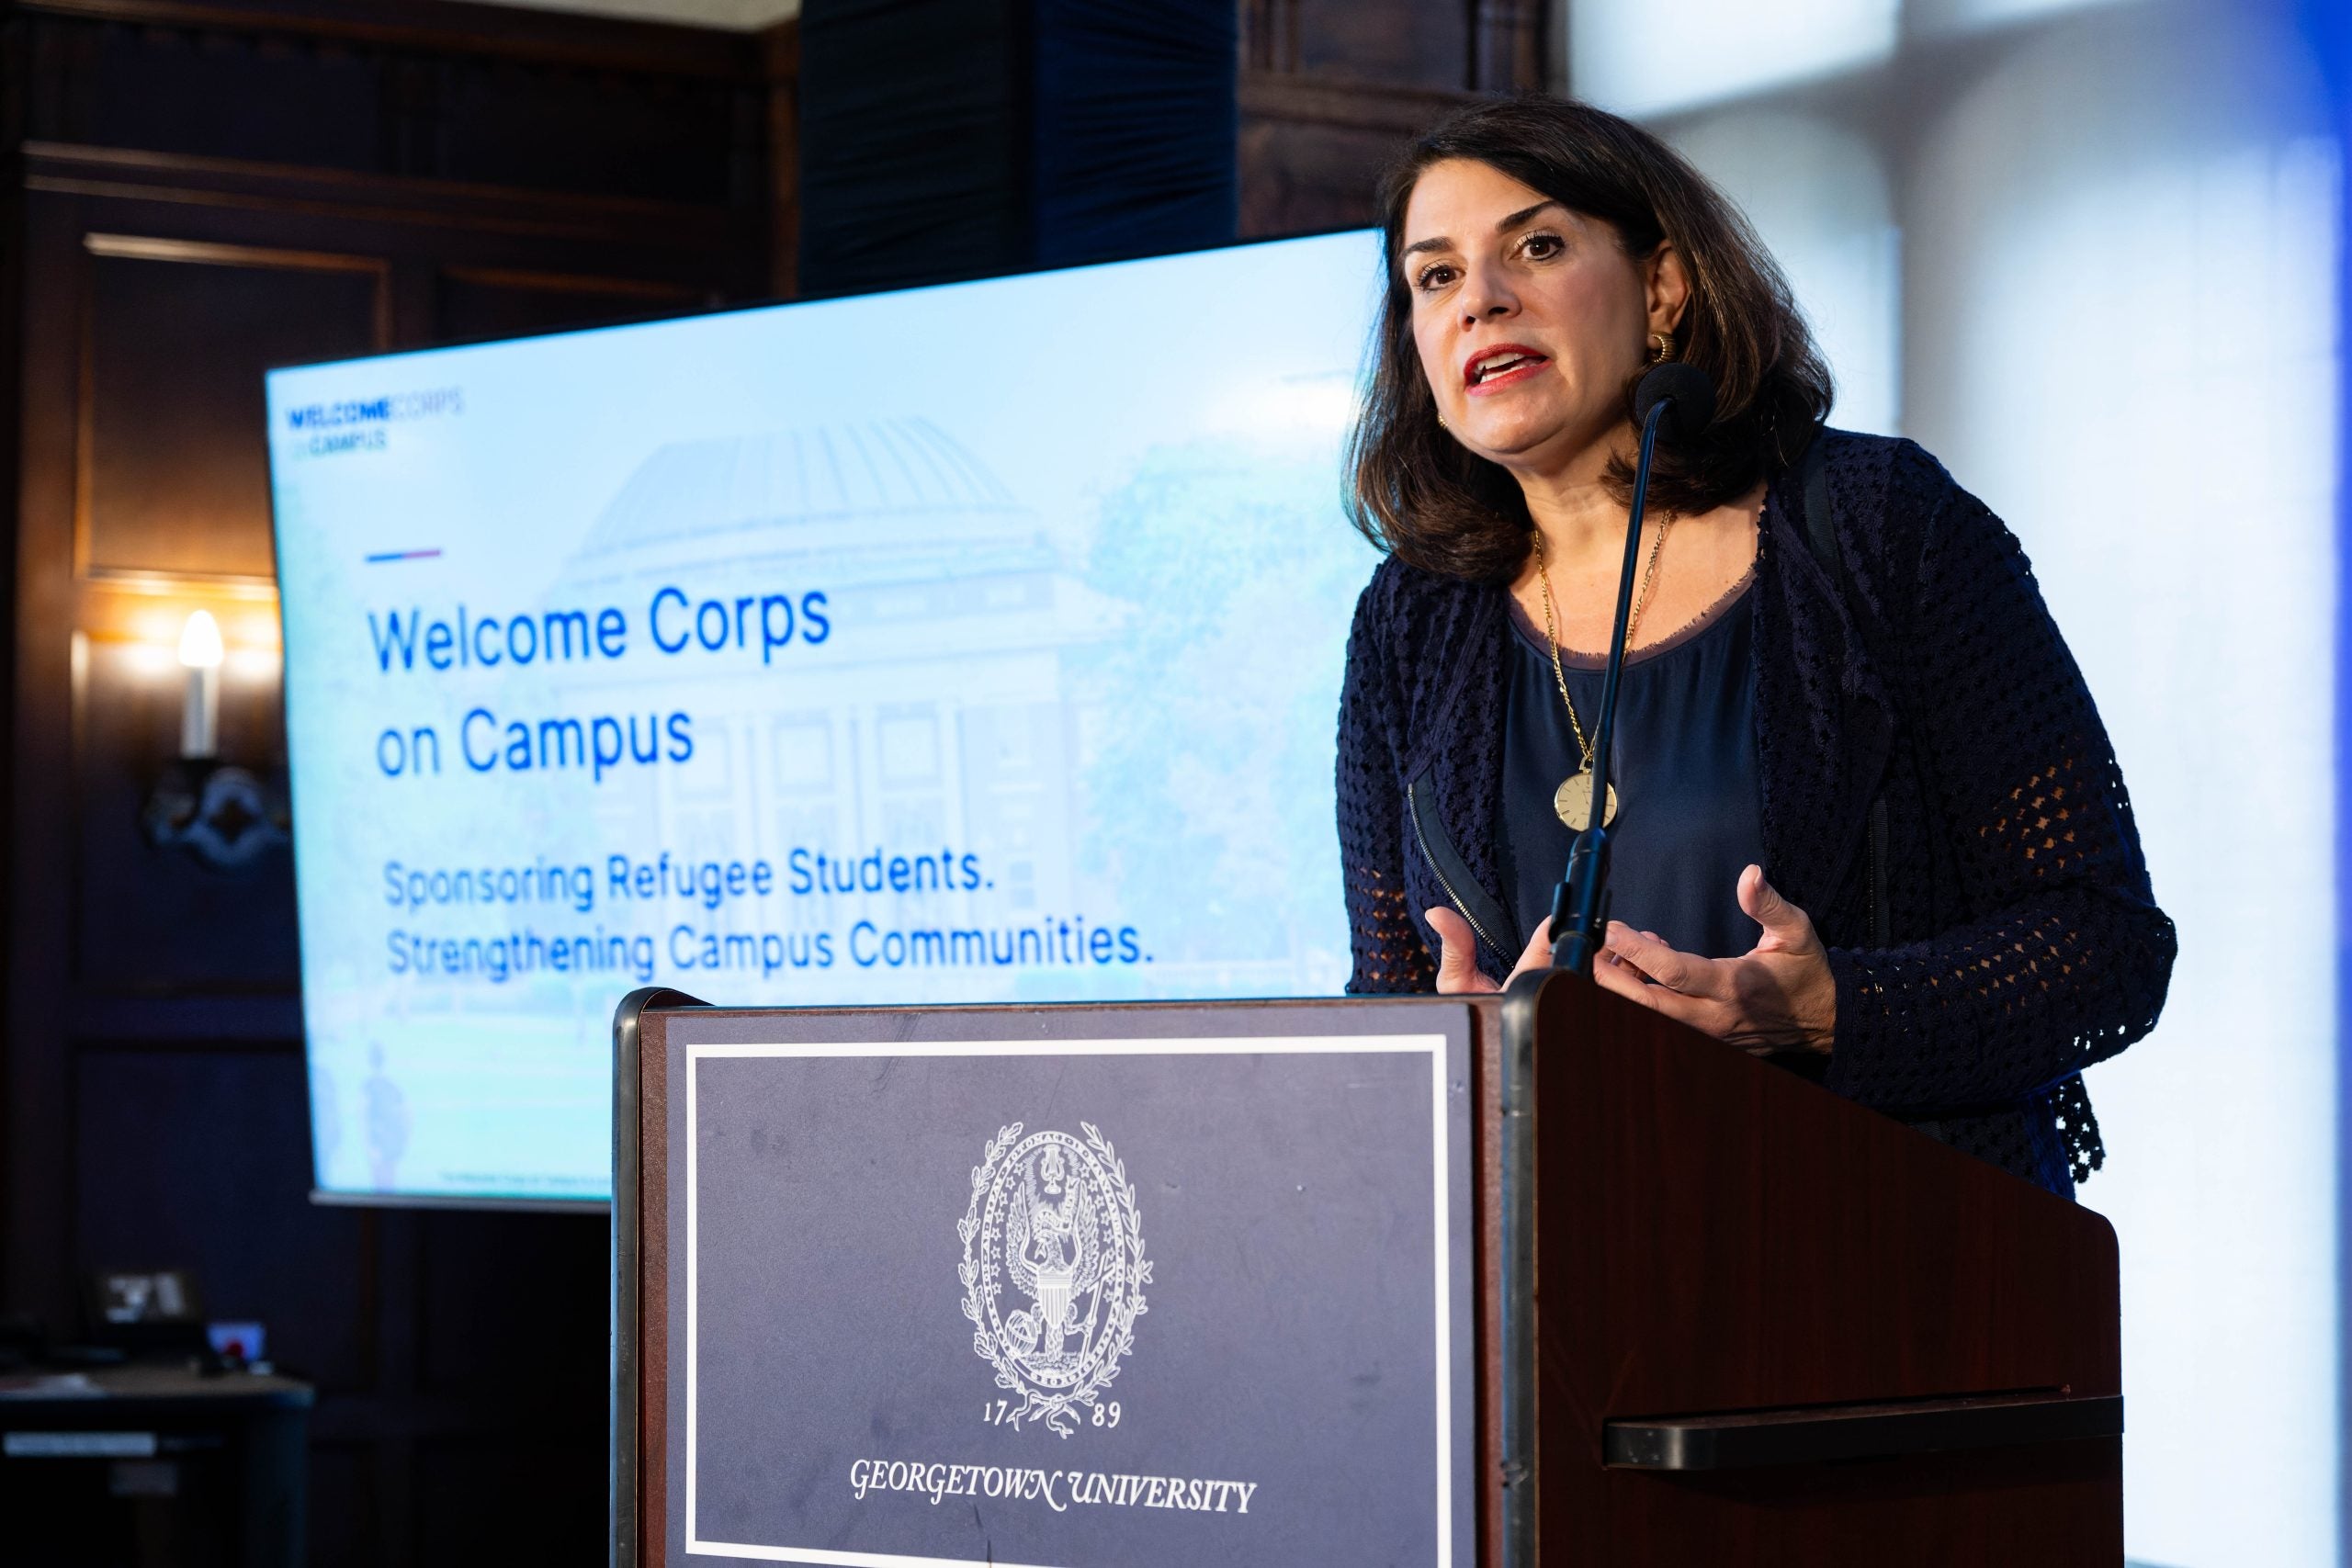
1780 995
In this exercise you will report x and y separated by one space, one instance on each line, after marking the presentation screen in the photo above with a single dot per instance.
976 643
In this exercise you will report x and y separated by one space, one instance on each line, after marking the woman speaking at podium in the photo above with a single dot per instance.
1864 809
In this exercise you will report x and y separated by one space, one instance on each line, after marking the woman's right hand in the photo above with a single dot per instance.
1457 963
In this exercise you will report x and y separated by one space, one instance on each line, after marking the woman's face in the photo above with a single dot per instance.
1530 318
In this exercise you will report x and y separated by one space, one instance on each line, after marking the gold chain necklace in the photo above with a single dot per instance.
1573 799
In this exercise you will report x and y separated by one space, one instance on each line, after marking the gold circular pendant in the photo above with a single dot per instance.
1572 801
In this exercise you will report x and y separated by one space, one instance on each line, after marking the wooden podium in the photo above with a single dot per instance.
1720 1315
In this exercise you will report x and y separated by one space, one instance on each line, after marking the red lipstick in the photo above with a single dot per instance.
1499 365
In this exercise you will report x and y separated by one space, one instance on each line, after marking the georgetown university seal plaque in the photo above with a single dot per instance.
1052 1271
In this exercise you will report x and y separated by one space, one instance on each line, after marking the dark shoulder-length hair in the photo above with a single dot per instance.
1422 496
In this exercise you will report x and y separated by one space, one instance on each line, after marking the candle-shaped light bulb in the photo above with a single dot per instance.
200 653
200 641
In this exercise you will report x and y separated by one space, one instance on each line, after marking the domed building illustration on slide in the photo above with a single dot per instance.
932 718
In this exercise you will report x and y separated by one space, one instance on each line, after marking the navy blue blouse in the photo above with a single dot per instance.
1689 809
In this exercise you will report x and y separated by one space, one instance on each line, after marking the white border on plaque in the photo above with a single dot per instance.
1431 1045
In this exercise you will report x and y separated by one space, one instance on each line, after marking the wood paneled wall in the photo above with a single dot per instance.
197 192
1331 88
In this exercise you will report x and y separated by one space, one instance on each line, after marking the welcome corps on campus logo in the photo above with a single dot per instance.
362 424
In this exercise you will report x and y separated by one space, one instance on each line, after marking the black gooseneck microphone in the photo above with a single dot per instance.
1675 401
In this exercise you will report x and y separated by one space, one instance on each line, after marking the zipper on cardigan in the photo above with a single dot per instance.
1412 809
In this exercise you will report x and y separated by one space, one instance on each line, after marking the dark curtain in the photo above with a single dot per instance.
953 139
1135 128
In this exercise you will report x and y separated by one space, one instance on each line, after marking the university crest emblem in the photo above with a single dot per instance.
1053 1270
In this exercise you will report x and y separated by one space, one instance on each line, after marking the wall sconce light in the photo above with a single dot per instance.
219 816
200 655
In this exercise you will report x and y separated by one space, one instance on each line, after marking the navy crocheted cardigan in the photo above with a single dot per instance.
2023 942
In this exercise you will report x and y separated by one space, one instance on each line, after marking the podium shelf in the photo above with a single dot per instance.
1822 1434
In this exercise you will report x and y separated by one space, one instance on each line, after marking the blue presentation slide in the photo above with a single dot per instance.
977 643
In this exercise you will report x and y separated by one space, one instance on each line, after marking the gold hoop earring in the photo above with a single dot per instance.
1661 348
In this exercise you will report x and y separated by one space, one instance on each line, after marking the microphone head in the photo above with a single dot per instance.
1684 387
